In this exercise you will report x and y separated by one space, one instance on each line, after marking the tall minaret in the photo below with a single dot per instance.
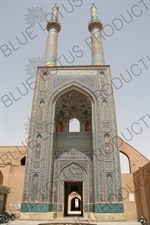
53 27
95 26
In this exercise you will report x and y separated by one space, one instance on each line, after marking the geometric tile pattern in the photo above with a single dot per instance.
84 92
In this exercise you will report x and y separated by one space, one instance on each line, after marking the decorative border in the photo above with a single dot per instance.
38 207
108 208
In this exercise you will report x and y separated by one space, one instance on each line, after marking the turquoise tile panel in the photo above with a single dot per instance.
34 207
109 208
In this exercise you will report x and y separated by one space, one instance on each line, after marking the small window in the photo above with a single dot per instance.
74 125
23 161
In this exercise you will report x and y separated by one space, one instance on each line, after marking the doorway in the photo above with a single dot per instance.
2 202
73 198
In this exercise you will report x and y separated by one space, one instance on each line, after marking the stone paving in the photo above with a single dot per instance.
68 222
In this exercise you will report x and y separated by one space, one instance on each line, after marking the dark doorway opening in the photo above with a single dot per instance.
2 202
73 198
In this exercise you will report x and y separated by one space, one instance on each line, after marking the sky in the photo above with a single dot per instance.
126 36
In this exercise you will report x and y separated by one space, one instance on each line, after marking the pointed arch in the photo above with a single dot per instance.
73 163
84 90
51 109
124 163
71 197
62 90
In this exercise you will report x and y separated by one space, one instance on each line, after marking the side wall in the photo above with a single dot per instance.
128 191
142 195
16 181
129 187
13 174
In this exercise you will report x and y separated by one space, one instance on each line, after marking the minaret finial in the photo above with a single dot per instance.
53 27
95 27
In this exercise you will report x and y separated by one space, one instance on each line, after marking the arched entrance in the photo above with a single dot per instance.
73 198
75 204
73 153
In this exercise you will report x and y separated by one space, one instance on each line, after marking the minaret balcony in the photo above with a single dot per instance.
53 23
95 23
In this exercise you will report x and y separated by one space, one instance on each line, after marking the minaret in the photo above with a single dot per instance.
53 27
95 26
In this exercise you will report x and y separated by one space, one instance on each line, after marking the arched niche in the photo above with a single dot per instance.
73 109
88 126
60 126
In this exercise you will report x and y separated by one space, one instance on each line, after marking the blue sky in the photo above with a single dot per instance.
126 38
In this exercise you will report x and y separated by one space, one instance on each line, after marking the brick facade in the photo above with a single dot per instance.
142 194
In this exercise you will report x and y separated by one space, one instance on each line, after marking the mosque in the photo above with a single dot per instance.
62 172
